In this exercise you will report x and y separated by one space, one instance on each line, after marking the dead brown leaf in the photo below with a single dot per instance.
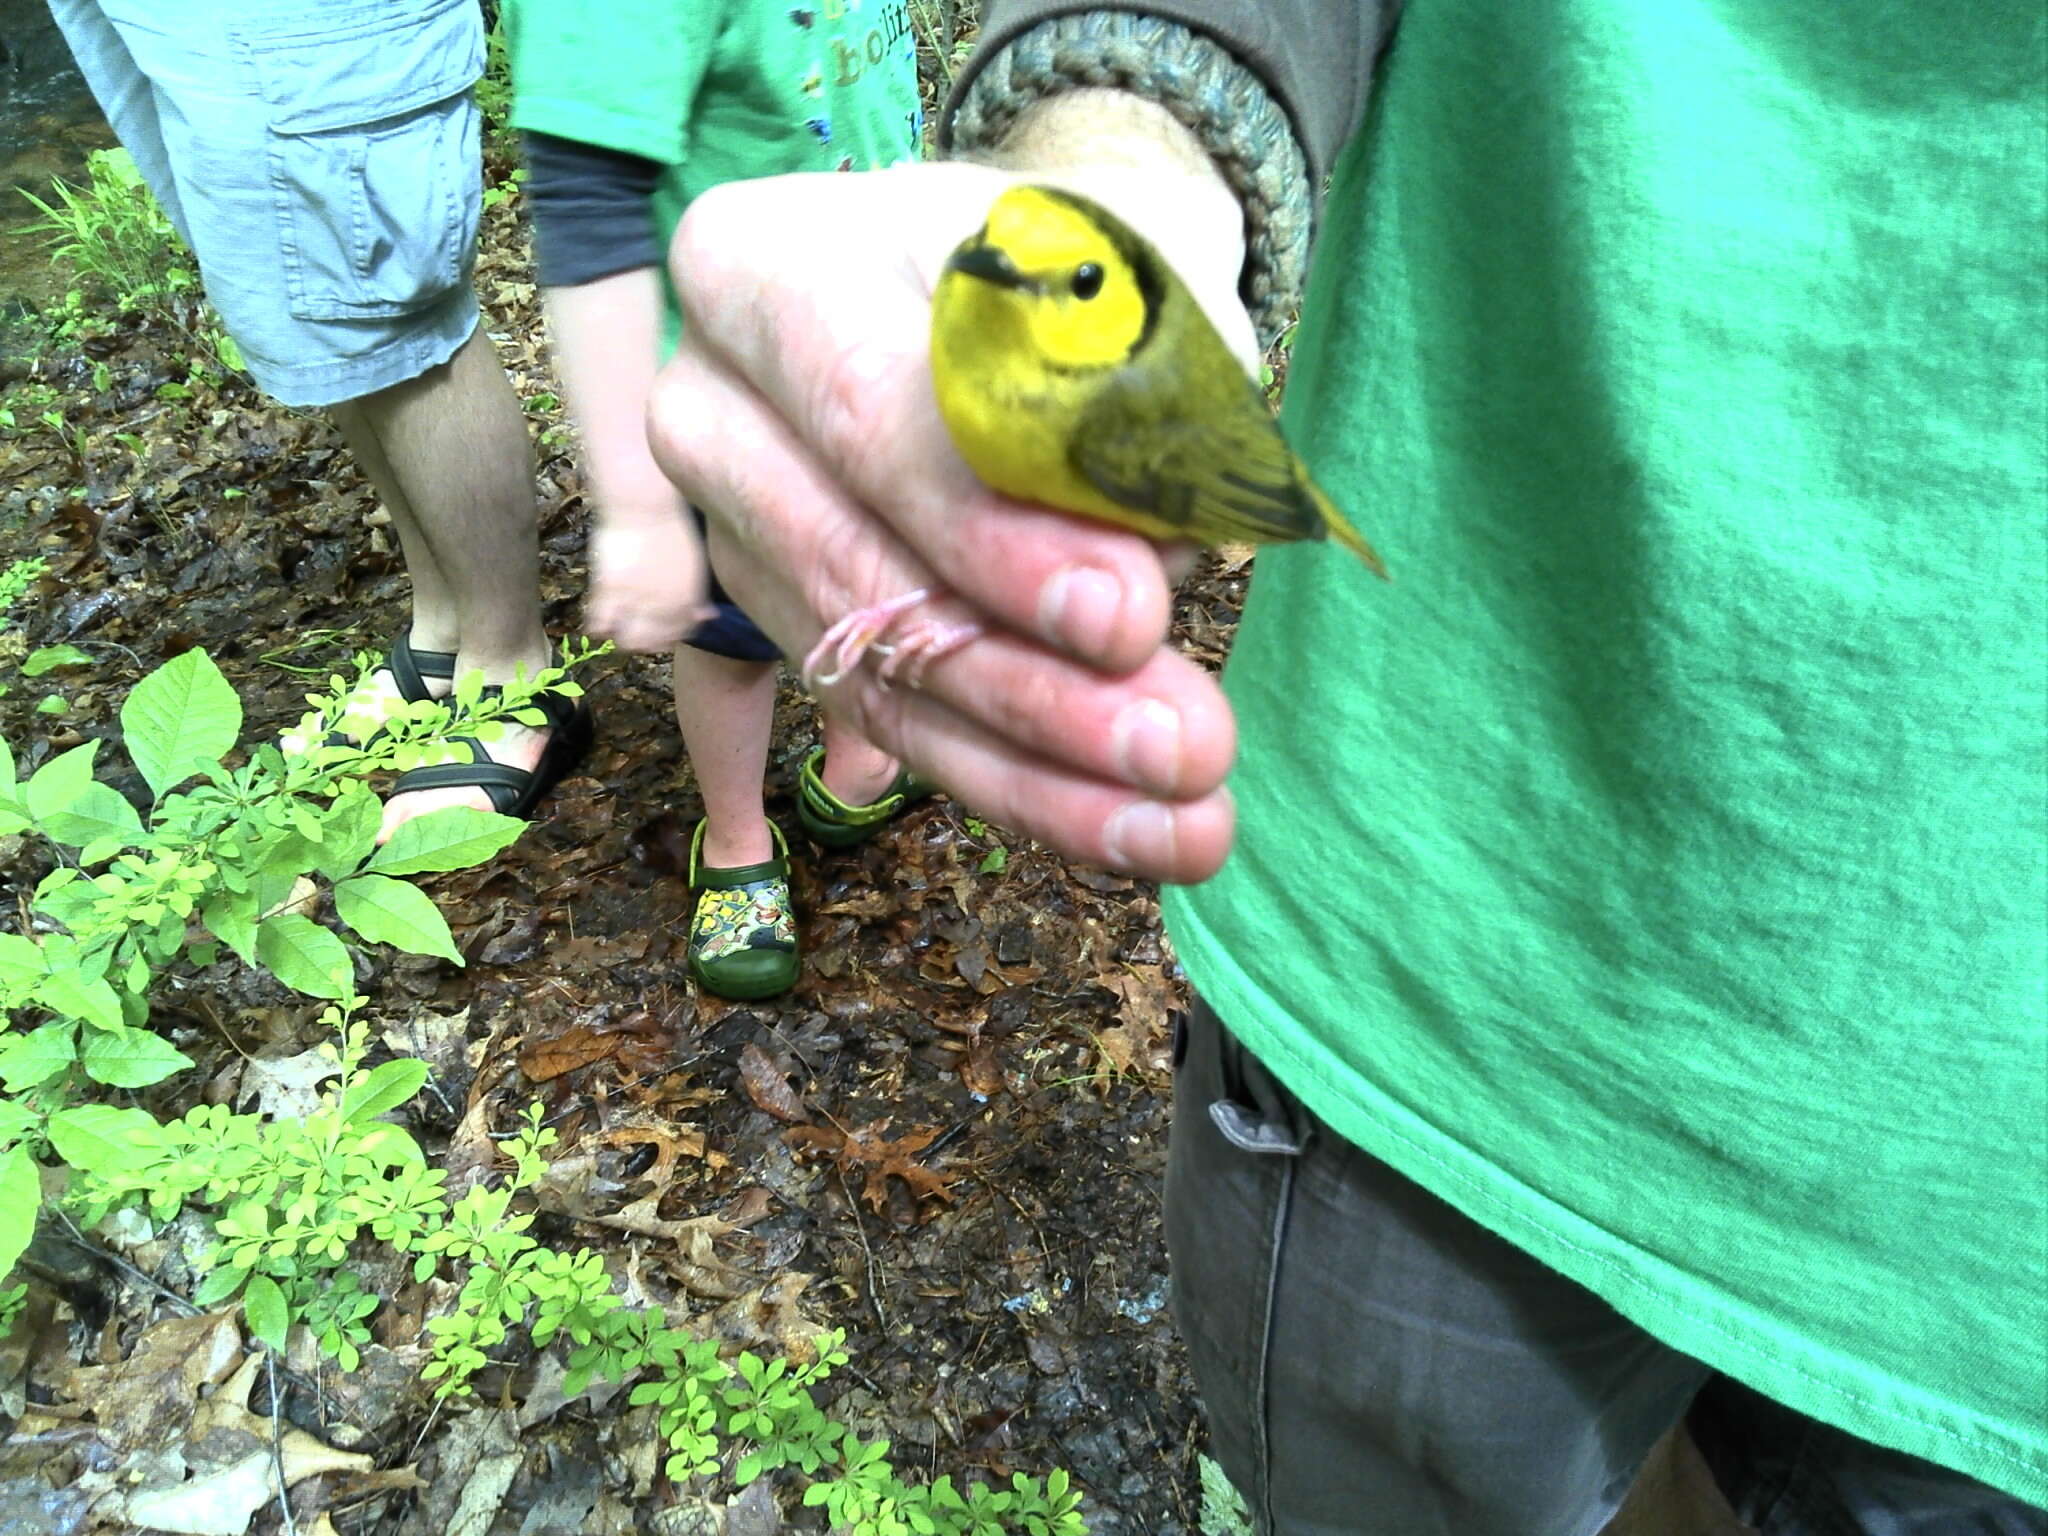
769 1088
577 1046
146 1399
867 1150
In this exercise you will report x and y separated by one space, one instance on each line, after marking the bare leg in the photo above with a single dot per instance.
726 712
856 770
448 453
436 625
1675 1495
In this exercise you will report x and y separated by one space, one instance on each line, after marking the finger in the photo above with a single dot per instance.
844 359
1163 727
1096 818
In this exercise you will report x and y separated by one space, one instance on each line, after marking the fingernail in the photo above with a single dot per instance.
1145 741
1078 609
1140 836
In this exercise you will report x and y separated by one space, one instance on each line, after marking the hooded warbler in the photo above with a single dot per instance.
1074 369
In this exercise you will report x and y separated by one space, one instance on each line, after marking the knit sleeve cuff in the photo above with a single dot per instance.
1227 108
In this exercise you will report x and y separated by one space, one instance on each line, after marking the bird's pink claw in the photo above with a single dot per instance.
849 640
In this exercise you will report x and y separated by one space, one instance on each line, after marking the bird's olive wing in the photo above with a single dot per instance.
1221 476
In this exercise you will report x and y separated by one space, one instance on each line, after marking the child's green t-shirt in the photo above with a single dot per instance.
719 92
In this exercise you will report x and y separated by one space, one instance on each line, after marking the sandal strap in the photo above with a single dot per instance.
410 669
501 782
828 807
707 878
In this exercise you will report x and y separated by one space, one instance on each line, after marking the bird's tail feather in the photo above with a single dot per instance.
1341 530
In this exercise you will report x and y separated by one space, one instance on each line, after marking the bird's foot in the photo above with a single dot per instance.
918 646
847 643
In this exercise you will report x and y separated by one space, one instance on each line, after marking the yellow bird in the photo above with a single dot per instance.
1074 369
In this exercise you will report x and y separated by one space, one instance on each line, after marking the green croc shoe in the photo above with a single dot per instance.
743 930
832 823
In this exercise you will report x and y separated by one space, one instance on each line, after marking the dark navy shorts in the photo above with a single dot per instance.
729 632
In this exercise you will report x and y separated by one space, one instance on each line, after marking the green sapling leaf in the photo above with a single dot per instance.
231 918
30 1060
454 838
387 911
383 1088
50 657
21 1193
98 819
179 718
60 781
105 1140
264 1307
131 1058
304 956
219 1285
71 995
21 964
349 832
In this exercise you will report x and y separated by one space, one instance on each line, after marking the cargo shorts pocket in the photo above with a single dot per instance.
374 148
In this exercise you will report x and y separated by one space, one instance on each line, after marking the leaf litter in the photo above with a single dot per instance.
962 1104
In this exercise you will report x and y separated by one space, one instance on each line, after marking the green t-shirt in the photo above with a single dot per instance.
719 90
1657 868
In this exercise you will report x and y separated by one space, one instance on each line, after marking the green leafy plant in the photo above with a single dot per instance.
218 861
18 578
129 259
1223 1510
117 237
494 90
225 854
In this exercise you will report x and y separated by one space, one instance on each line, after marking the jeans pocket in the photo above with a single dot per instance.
374 149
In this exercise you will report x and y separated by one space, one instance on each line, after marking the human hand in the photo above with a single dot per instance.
799 414
647 578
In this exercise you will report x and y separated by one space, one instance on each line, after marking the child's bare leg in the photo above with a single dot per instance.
726 712
856 770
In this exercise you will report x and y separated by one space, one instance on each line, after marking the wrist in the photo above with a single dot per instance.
1092 88
1139 157
638 507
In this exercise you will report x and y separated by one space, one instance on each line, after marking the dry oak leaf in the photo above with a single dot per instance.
577 1046
866 1150
769 1088
148 1398
241 1464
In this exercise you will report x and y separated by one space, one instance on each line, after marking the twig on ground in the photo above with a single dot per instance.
874 1280
284 1498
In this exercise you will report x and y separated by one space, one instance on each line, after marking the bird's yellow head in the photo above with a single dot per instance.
1056 274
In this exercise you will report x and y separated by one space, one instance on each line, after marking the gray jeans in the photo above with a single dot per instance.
1374 1363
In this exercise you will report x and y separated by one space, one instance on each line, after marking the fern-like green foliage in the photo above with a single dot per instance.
1223 1510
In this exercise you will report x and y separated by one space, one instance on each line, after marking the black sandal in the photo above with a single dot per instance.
514 791
411 669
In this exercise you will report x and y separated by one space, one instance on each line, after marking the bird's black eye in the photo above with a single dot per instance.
1087 280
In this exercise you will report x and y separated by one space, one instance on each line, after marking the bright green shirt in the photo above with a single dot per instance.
719 90
1657 868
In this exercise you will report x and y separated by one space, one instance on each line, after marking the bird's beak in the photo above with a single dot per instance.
990 265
